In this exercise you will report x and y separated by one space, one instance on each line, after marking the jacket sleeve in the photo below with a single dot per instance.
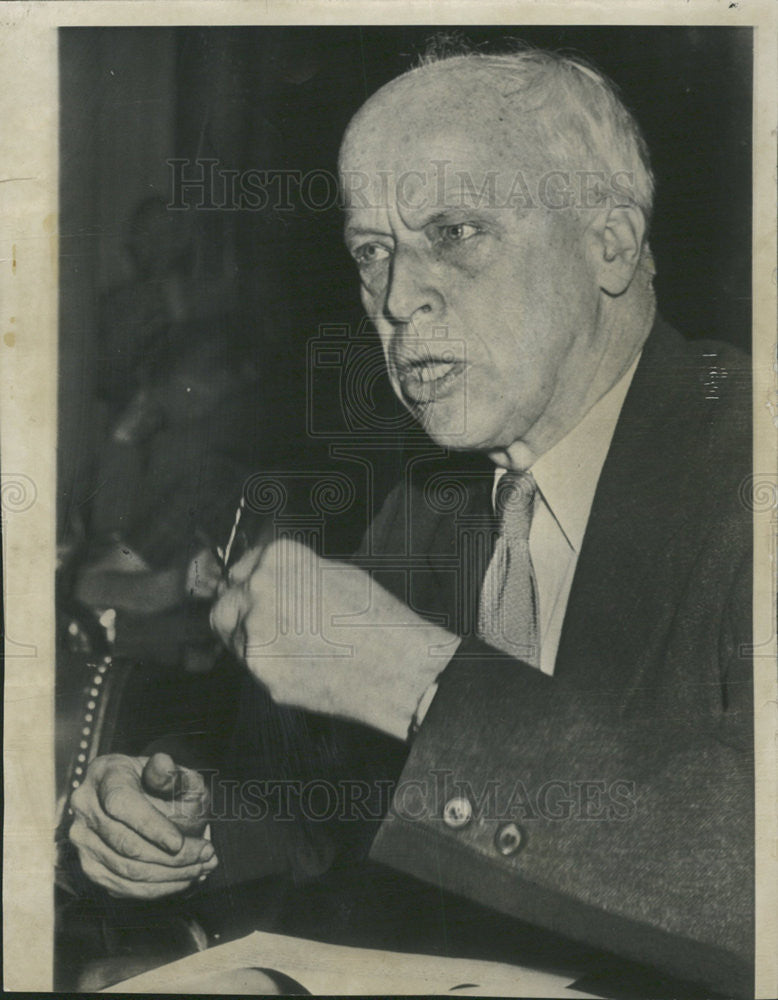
631 833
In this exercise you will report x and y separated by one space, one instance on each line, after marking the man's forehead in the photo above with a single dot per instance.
429 172
418 162
431 99
421 153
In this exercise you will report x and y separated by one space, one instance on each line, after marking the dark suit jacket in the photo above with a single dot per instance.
628 775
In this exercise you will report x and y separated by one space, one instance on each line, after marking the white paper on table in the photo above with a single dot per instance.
326 969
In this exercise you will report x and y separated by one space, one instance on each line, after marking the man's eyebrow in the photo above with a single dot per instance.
445 215
442 216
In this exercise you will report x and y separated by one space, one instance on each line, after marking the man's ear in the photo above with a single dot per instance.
618 234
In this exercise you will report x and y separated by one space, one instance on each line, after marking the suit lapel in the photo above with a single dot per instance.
641 528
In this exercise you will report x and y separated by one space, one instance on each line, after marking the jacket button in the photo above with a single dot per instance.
457 813
509 839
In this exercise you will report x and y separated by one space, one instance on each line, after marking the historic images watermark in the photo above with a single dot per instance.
420 800
208 185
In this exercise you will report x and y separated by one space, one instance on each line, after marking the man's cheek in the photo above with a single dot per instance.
373 291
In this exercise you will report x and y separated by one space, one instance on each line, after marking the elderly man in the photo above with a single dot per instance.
571 685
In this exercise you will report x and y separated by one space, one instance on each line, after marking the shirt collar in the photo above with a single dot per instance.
567 474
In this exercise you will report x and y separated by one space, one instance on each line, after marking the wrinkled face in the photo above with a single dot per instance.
486 312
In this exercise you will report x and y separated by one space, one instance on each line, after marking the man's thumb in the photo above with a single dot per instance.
164 778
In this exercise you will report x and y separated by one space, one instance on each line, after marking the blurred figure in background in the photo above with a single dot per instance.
169 475
168 285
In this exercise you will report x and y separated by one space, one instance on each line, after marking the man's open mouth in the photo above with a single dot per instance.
428 379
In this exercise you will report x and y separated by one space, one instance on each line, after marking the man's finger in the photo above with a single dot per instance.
136 871
129 805
129 844
125 888
246 565
228 612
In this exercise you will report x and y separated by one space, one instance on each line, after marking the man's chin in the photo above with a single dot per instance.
448 423
438 426
456 439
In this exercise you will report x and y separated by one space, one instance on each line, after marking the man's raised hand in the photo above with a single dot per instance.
323 636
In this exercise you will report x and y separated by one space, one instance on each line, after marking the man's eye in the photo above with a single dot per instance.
457 232
370 253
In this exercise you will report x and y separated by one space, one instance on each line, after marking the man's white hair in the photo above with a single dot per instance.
569 113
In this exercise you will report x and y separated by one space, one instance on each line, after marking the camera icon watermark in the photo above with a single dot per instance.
348 364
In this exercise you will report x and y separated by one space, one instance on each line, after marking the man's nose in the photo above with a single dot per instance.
411 293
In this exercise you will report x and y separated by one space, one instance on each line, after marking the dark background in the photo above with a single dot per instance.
275 98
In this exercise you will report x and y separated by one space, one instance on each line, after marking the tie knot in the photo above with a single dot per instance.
514 501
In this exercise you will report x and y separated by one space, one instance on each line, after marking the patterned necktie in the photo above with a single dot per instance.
508 609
